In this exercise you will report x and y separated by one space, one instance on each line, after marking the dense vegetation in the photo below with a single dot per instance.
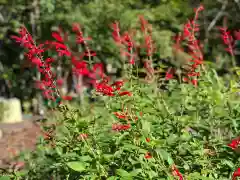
181 120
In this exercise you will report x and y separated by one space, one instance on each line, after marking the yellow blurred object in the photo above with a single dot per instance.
10 110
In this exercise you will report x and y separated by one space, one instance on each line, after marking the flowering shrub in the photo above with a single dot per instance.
139 131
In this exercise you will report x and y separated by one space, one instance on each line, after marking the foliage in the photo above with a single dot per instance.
188 127
137 131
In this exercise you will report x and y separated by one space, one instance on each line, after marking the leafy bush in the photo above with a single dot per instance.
140 131
185 126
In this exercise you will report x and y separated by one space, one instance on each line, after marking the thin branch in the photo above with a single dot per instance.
218 16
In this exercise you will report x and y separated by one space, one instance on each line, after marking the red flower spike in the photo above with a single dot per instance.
195 51
227 40
116 33
143 22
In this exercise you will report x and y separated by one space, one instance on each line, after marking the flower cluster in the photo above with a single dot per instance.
149 46
124 40
34 55
231 43
126 116
103 87
227 40
147 31
188 34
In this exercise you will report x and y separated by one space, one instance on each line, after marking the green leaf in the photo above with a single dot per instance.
124 174
146 126
112 178
165 156
229 163
130 147
85 158
135 172
76 166
5 178
59 150
122 137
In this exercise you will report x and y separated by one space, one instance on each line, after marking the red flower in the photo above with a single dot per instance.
98 69
47 135
116 33
59 82
118 85
104 89
67 98
194 82
39 85
148 155
57 36
176 172
169 74
121 127
227 40
136 118
120 116
236 174
125 93
147 30
234 143
83 136
143 22
148 139
48 94
90 53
